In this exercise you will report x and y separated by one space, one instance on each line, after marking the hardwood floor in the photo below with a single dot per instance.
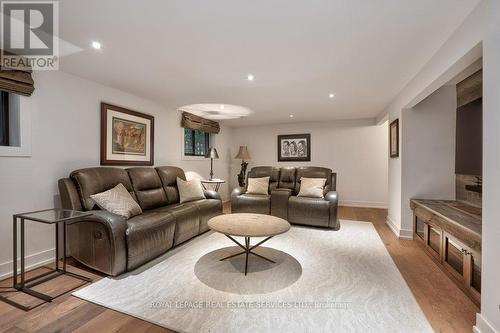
447 308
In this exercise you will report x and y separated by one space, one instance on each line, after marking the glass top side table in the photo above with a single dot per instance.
216 182
49 216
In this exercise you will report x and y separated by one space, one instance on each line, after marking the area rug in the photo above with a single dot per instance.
322 281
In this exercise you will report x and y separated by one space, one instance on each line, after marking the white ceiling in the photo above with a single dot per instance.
180 52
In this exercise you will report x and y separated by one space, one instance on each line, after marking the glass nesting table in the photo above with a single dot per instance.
54 217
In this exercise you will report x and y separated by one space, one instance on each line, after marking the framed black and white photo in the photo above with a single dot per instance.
294 147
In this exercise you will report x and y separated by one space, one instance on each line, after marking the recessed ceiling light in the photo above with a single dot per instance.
222 106
96 45
291 116
331 95
250 77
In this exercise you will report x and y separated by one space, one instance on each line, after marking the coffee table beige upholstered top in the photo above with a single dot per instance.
248 225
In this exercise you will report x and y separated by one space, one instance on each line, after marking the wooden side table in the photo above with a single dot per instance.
216 182
49 216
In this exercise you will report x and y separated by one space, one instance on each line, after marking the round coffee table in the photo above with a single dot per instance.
248 225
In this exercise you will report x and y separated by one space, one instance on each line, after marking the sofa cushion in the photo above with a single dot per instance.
96 180
189 190
168 176
148 187
310 211
148 236
117 201
313 172
187 220
266 171
312 187
252 203
258 185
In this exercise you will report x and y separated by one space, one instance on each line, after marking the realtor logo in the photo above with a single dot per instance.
29 35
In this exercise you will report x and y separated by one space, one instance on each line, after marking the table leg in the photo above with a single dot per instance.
22 254
247 250
64 246
57 247
247 245
14 250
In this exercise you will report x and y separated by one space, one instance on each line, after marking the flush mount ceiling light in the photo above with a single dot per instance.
217 111
96 45
291 116
332 95
250 77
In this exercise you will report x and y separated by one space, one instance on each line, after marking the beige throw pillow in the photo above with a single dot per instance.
258 185
190 190
311 187
117 201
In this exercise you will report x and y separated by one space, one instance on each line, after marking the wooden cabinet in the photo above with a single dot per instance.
458 257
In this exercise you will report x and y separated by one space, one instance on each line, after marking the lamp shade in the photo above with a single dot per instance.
243 153
212 153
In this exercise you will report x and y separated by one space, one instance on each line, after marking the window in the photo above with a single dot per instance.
15 126
196 142
4 119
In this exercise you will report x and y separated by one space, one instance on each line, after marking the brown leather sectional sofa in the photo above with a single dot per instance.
282 199
113 245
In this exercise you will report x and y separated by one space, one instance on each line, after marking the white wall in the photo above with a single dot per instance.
428 157
479 35
65 136
357 150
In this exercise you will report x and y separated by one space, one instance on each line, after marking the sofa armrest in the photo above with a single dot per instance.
279 202
234 198
99 241
333 198
237 192
211 194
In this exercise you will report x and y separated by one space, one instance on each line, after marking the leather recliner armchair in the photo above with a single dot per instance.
112 244
282 200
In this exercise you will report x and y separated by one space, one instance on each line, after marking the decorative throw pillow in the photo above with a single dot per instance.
117 201
258 185
190 190
311 187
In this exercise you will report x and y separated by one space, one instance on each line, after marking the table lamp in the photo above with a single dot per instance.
242 155
212 154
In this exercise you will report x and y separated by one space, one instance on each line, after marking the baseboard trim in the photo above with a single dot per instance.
400 233
482 325
32 261
367 204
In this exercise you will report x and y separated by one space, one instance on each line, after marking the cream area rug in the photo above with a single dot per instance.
322 281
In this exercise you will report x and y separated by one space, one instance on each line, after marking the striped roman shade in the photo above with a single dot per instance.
197 123
16 81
